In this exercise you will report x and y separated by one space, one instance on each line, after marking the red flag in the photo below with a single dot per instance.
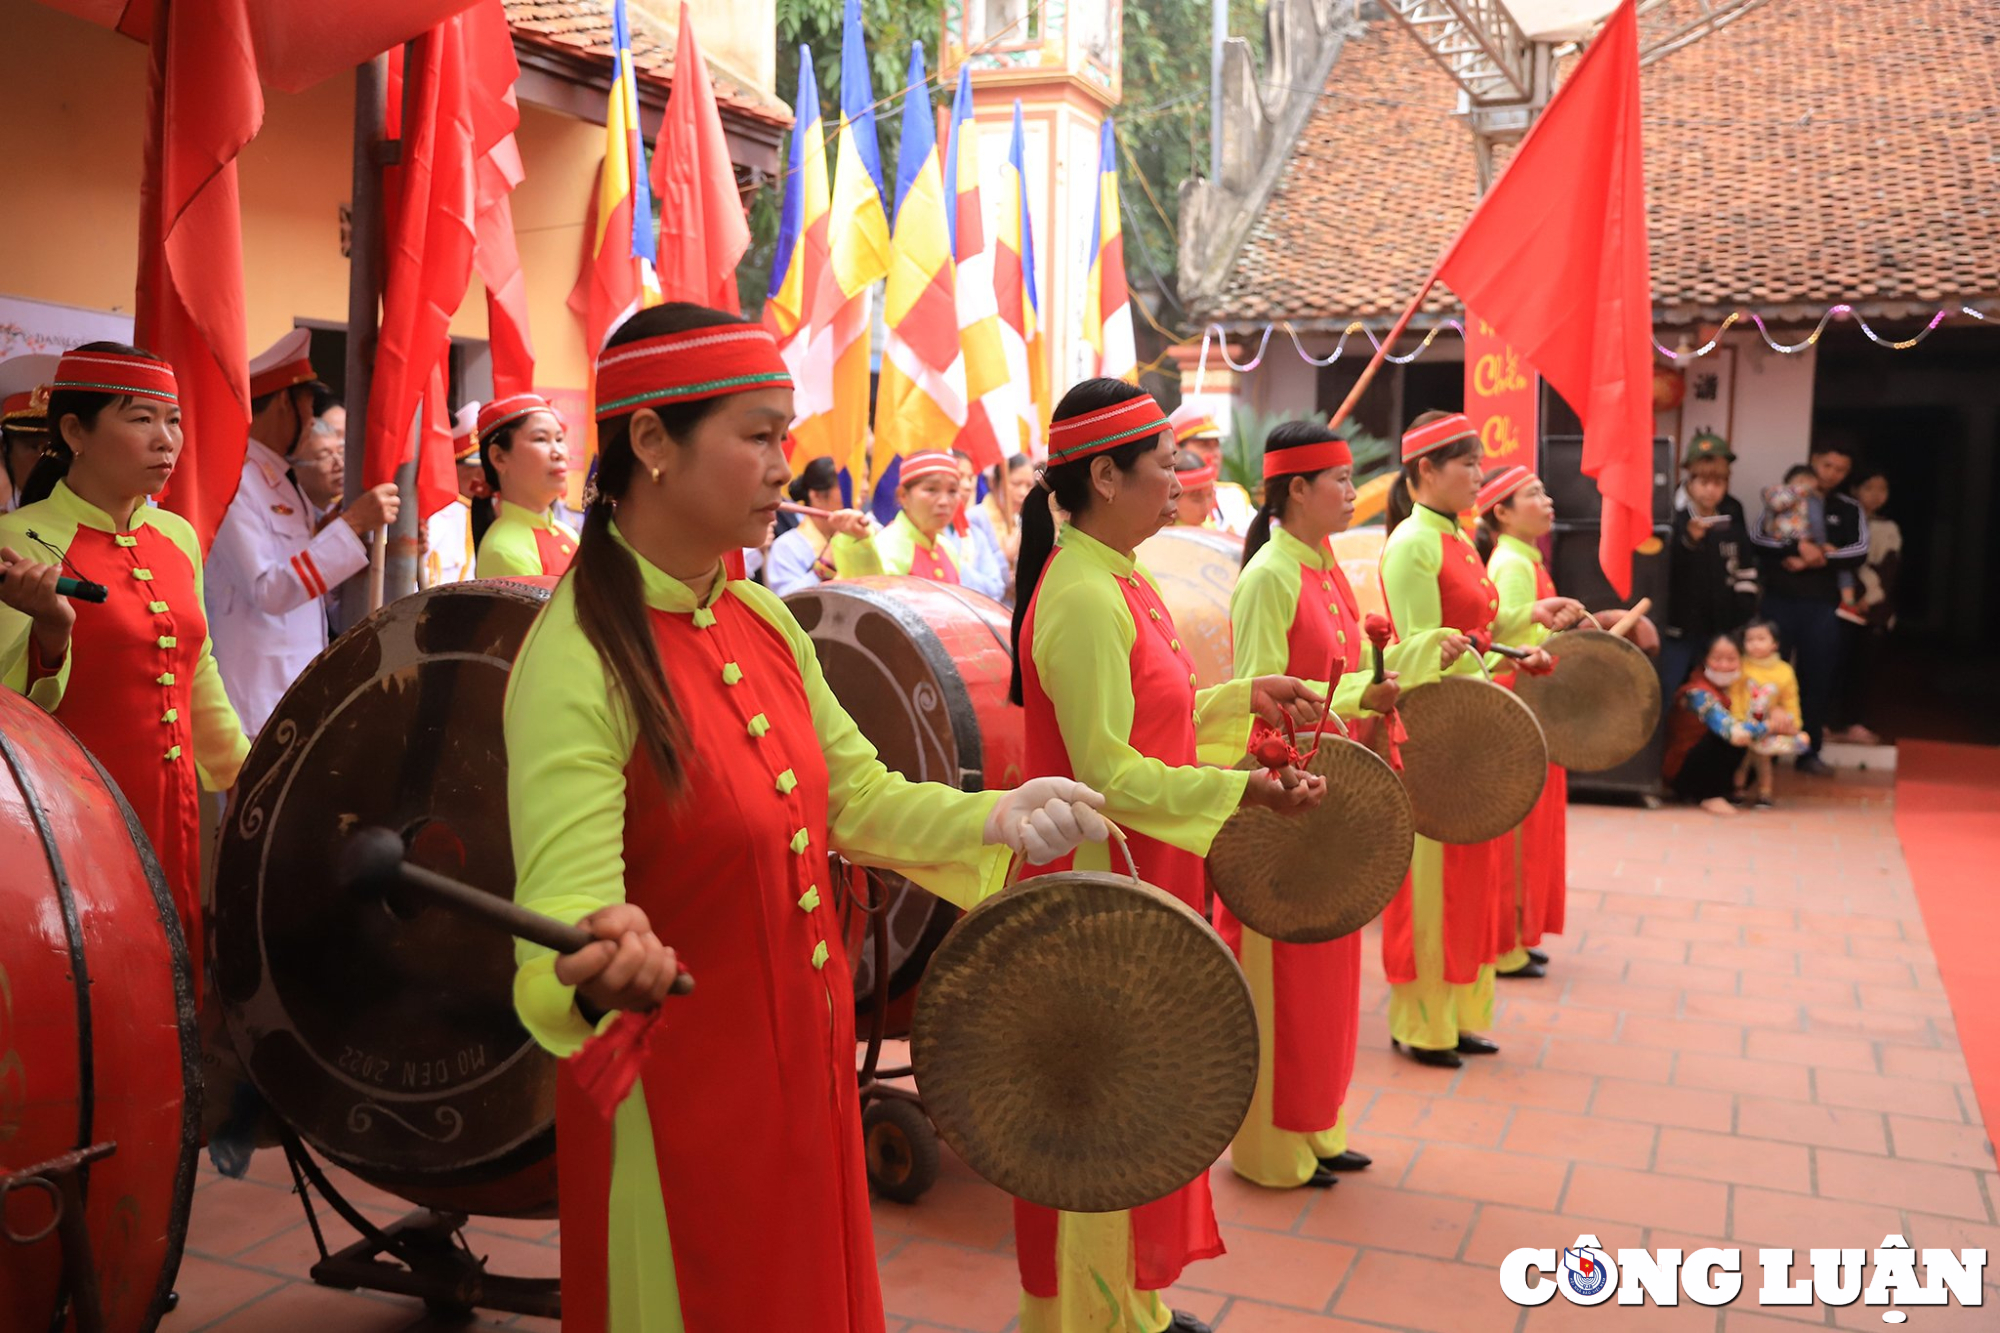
498 259
1555 259
204 104
702 229
437 470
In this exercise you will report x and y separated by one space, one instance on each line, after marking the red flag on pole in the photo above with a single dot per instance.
1555 259
498 259
702 229
204 104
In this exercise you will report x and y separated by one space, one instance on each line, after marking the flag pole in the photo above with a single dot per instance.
1347 404
364 294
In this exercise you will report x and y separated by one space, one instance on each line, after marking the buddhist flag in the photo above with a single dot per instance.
858 243
990 428
920 403
1555 260
617 277
1020 305
804 298
1107 308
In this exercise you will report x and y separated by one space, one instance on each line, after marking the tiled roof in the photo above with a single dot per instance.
1816 151
584 27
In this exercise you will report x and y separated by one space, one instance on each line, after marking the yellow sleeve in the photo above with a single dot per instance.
1788 692
1082 650
16 628
507 550
1514 579
220 747
1261 608
567 747
1410 586
932 833
854 557
894 547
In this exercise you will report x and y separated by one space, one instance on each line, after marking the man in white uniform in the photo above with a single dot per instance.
1198 430
448 550
24 412
268 573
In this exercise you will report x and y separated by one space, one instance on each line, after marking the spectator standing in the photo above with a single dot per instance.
269 571
1007 485
1198 430
1867 643
820 549
1711 578
24 424
1802 588
981 565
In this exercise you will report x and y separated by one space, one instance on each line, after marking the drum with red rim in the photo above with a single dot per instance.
922 668
97 1032
1196 569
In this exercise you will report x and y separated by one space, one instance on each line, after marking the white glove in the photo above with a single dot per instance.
1045 818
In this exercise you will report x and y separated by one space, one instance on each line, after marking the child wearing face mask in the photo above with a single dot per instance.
1767 695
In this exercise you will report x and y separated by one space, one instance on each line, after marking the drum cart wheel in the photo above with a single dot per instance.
900 1144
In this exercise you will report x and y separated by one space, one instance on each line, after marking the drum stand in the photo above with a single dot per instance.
899 1142
60 1179
428 1256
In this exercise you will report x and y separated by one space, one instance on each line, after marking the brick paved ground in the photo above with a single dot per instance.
1744 1042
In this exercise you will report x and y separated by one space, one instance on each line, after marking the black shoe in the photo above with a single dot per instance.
1349 1160
1184 1322
1472 1044
1539 956
1425 1056
1812 766
1321 1179
1529 969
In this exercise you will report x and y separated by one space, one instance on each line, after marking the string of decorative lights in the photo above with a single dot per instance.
1214 335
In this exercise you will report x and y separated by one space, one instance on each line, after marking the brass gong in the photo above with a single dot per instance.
1085 1042
1325 873
1475 762
1601 704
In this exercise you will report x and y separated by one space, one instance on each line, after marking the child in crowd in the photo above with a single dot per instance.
1768 697
1788 518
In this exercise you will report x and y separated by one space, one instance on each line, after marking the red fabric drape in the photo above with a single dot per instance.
702 229
204 104
1555 259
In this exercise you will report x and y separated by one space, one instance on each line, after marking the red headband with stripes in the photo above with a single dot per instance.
115 372
1107 428
1306 458
512 408
1502 486
1435 435
927 463
1197 476
687 366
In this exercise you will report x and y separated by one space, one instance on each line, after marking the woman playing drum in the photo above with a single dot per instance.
1516 511
1293 613
1437 936
678 771
134 678
1092 639
833 543
527 465
914 542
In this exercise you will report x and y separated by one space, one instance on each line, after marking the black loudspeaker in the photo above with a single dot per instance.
1576 495
1573 566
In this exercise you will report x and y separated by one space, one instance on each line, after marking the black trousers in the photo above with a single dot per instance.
1709 769
1809 634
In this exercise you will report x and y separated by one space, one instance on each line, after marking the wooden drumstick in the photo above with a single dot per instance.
1379 629
372 865
1632 617
803 511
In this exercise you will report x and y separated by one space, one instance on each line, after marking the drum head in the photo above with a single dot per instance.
1475 762
1196 571
1601 704
389 1044
881 643
1316 876
1085 1042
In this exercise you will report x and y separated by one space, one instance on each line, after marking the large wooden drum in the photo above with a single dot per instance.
1196 569
922 668
390 1045
97 1031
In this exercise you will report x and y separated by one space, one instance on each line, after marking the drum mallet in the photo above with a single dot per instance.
372 866
1631 618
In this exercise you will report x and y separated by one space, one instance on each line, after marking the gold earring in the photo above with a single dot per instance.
656 476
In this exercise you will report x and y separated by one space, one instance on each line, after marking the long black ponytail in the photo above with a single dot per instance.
1278 490
1068 485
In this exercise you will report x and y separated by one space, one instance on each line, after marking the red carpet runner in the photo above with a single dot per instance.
1948 819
